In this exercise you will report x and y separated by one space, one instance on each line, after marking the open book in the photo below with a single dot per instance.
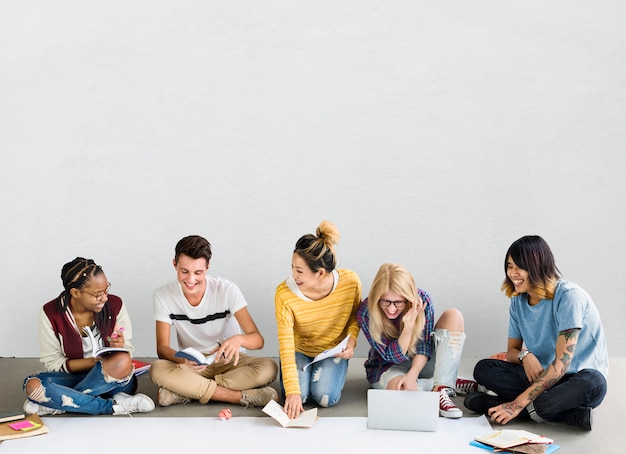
192 354
508 438
104 350
99 351
330 352
275 410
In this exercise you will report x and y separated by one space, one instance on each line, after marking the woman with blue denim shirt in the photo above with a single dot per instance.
80 321
409 349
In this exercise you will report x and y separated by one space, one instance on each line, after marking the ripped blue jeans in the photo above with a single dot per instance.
440 370
323 381
85 392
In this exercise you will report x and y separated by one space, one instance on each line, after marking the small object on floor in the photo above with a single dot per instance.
225 414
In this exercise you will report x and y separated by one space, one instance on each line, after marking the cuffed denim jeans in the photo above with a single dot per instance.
88 392
585 388
323 381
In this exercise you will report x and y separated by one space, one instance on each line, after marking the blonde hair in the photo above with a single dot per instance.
395 278
318 251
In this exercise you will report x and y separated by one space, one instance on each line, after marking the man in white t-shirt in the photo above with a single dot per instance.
210 315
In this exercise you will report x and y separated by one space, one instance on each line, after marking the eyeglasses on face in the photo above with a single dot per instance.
100 295
399 304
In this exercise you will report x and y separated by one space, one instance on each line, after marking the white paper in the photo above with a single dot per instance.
275 410
330 352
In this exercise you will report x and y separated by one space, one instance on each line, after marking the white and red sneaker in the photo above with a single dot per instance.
465 386
447 409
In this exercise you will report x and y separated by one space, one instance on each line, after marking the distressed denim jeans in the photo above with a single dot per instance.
440 370
323 381
88 392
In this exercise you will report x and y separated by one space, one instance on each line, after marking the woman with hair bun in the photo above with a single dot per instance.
315 310
84 318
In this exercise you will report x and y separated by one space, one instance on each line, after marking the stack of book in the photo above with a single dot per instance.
15 424
515 441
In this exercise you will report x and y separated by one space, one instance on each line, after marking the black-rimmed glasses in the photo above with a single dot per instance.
399 304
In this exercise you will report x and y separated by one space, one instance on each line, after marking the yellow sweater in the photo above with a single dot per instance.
310 327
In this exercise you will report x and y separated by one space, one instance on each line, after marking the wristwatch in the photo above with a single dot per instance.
522 354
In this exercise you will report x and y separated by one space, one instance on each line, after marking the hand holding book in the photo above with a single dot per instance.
195 356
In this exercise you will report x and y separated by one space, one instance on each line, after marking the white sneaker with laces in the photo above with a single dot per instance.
126 404
447 408
35 409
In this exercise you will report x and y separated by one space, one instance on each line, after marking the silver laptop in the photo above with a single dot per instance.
402 410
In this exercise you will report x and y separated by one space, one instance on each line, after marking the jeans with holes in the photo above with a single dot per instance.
585 388
85 392
322 381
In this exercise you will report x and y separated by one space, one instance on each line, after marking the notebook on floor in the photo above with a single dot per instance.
402 410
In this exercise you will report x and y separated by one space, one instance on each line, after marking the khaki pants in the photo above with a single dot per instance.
250 372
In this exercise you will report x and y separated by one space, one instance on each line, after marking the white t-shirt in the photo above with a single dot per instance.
205 325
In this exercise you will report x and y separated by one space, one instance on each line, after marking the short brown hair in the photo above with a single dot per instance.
195 247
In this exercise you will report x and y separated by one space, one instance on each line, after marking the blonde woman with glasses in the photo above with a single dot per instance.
409 350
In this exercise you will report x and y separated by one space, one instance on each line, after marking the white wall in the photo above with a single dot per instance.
433 134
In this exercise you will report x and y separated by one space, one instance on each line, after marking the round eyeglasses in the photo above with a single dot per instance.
101 294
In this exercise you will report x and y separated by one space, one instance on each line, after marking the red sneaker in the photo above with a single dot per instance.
447 409
465 386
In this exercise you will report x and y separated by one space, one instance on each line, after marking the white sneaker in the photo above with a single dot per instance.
126 404
35 409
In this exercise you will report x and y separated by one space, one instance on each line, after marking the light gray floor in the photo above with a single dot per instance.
603 438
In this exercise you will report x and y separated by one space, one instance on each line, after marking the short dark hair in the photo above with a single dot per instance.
193 246
532 254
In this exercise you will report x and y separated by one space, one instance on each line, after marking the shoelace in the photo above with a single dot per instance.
444 399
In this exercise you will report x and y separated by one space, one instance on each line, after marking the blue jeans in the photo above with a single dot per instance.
585 388
323 381
440 370
86 392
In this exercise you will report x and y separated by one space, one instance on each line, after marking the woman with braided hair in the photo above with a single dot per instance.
74 325
315 310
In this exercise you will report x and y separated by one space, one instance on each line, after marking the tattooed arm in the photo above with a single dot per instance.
565 347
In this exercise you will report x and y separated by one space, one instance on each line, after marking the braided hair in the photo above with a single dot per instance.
77 274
